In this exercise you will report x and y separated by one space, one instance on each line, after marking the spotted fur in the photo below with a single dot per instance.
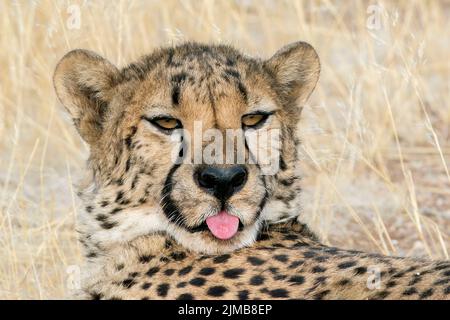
286 262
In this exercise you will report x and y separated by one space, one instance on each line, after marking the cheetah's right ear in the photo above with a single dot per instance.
83 82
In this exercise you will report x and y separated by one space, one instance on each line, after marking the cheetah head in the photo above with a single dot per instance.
147 124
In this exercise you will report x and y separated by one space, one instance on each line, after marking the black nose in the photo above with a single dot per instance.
221 182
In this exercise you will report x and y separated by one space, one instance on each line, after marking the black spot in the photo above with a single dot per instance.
281 257
297 280
101 217
168 244
441 267
255 261
185 296
108 225
128 283
119 196
198 282
290 237
185 271
124 201
257 280
382 294
296 264
346 265
104 203
287 182
360 270
283 165
447 290
91 255
89 209
152 271
427 293
95 295
262 237
182 284
320 259
169 272
128 141
321 295
344 282
320 280
410 291
146 285
416 279
216 291
221 259
128 165
391 284
162 289
178 256
243 295
114 211
441 281
207 271
318 269
233 273
309 254
278 293
145 258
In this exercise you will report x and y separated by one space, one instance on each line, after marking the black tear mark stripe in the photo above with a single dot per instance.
170 209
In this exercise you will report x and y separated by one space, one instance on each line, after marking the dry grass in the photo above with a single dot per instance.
376 132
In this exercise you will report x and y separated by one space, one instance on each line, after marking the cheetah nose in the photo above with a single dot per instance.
221 182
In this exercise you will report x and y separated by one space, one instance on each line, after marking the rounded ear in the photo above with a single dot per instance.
83 83
296 68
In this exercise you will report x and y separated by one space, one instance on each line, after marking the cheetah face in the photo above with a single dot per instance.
175 139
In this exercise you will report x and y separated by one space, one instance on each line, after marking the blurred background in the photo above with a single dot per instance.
376 131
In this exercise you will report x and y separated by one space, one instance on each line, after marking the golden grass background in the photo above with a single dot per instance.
376 131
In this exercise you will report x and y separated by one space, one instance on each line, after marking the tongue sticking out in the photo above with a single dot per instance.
223 225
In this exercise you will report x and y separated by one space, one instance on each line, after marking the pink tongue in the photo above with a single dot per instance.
223 225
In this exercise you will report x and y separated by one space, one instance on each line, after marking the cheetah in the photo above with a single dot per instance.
159 224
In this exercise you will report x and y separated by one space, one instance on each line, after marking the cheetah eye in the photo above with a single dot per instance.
166 124
255 120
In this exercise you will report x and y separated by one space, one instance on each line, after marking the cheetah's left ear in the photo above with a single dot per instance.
296 68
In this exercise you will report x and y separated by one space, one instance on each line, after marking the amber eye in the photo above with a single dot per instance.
166 123
253 120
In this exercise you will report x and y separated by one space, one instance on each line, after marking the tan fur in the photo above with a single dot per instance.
137 198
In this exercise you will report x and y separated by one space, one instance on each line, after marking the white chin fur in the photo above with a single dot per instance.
194 242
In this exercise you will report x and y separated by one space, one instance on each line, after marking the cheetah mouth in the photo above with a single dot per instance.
222 226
